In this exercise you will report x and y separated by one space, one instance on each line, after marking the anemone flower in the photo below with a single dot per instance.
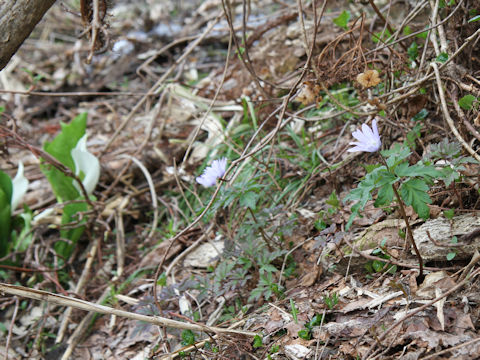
86 163
212 173
367 139
19 185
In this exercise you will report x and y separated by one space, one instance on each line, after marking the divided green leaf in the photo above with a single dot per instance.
414 193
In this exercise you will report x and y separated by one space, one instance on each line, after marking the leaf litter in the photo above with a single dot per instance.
151 97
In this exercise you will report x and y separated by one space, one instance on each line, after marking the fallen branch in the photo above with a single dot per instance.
102 309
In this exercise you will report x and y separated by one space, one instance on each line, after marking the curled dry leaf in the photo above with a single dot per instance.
368 78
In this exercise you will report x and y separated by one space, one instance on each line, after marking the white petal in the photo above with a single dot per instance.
88 164
20 186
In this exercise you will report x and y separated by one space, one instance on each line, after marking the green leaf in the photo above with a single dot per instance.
466 102
5 218
412 51
475 18
443 57
60 148
449 214
6 190
414 193
20 242
384 196
417 170
378 265
407 30
451 255
422 114
257 341
422 35
70 215
342 19
381 36
304 334
188 337
249 200
294 311
317 318
6 185
333 200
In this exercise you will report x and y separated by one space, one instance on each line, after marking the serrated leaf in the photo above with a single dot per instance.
384 196
414 193
466 102
342 19
405 169
249 199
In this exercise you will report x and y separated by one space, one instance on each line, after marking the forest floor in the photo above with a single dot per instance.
275 261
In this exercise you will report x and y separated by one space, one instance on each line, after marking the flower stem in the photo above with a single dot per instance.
409 229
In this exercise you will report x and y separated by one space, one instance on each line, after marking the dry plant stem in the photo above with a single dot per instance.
101 309
212 103
409 229
417 32
446 114
419 309
78 289
263 143
120 240
302 25
394 262
199 344
437 354
82 328
380 15
227 9
160 81
74 93
461 115
153 194
10 329
475 259
405 218
187 251
95 27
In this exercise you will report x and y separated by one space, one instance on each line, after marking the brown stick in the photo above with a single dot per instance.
17 20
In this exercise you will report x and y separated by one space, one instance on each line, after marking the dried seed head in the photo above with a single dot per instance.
369 78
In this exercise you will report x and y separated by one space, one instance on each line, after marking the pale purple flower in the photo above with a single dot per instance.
367 139
212 173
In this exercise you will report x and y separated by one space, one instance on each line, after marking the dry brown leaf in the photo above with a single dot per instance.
368 78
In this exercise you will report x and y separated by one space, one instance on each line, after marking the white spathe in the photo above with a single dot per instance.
20 186
88 164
